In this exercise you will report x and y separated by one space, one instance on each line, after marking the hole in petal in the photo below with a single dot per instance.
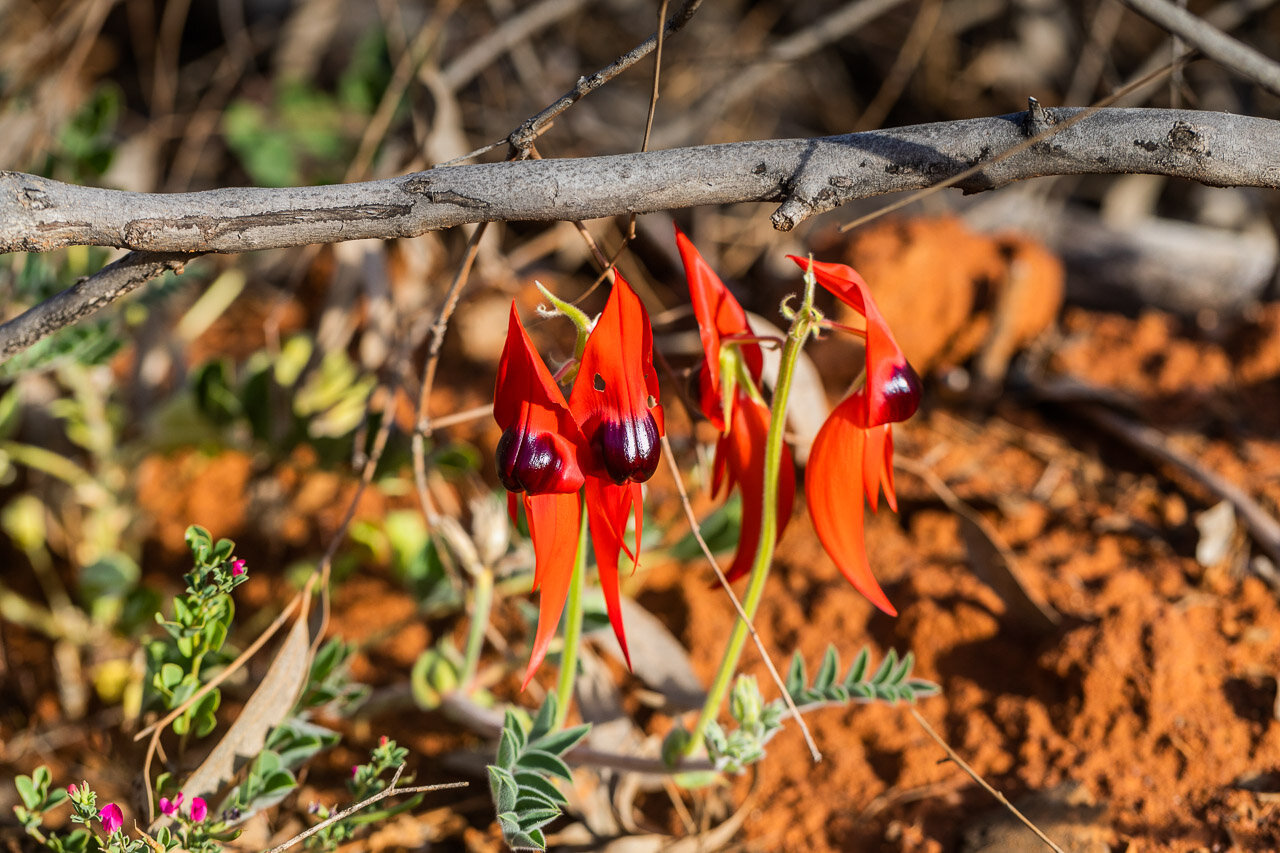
598 382
653 401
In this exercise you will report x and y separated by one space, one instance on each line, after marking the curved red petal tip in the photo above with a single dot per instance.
608 507
835 507
742 454
553 526
719 315
615 397
893 388
539 449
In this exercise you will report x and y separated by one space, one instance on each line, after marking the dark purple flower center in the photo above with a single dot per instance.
528 463
902 393
629 448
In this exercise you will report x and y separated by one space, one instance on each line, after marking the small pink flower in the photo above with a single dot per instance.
170 807
199 809
382 741
237 568
112 818
355 770
71 789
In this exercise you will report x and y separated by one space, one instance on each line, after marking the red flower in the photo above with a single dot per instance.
729 381
538 459
858 436
615 402
605 438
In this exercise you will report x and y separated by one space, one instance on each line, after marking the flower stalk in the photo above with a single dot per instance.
804 322
572 631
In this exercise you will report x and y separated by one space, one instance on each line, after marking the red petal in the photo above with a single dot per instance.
608 507
893 388
719 315
835 505
886 472
532 412
553 525
742 452
615 397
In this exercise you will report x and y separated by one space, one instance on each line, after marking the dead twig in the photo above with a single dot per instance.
1211 41
973 774
522 137
390 791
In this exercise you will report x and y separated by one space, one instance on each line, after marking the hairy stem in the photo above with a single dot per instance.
572 630
804 323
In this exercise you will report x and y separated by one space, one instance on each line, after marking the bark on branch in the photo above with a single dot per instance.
808 177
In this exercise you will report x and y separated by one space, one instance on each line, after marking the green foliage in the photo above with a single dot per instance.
296 740
891 682
281 399
529 756
721 530
178 665
436 672
32 278
86 145
305 135
366 781
733 751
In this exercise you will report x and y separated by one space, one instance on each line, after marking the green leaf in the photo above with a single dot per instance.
55 798
511 723
536 783
537 818
796 676
904 669
502 785
921 687
508 749
530 800
827 671
524 840
858 671
886 668
536 759
545 720
558 743
27 791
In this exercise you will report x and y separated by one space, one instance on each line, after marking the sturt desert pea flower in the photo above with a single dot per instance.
112 818
858 436
730 399
538 464
615 402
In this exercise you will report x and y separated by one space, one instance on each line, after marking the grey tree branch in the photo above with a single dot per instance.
86 296
812 175
809 177
1211 41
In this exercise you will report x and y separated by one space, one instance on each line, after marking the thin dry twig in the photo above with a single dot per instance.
1211 41
973 774
390 791
737 605
522 137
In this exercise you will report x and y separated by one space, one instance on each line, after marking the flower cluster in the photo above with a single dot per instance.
603 440
197 809
856 440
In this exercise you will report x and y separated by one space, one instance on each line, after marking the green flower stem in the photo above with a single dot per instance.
572 630
804 323
481 605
